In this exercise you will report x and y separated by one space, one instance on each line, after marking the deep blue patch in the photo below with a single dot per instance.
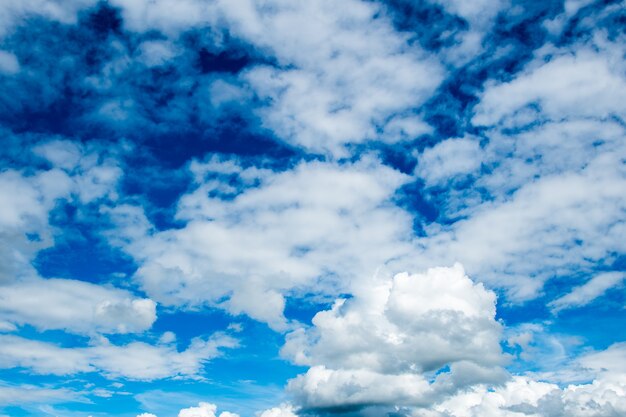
104 19
223 61
431 26
81 253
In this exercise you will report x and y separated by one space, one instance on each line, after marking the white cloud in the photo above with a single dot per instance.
320 224
204 410
18 395
75 306
480 16
576 84
560 224
284 410
587 292
12 13
523 396
154 53
603 396
95 175
146 415
328 388
381 346
26 202
448 159
135 361
8 63
548 200
349 71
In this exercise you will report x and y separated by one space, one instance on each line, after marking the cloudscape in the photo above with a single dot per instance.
286 208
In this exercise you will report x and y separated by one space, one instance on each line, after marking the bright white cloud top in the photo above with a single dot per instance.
312 209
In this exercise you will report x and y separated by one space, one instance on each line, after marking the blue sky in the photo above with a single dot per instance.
274 208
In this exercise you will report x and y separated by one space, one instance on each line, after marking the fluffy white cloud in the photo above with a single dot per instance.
588 292
284 410
27 200
523 396
95 174
603 396
352 72
479 15
75 306
548 200
24 229
204 410
351 76
381 346
582 83
448 159
319 224
136 360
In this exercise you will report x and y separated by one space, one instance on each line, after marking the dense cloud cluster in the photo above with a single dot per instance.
356 208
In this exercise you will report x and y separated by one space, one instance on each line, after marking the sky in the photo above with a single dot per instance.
284 208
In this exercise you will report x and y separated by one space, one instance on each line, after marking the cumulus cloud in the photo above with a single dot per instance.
204 410
75 306
383 345
319 224
284 410
135 360
523 396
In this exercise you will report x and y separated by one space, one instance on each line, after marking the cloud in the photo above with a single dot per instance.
204 410
135 360
89 175
524 396
75 306
243 249
95 173
353 76
345 75
17 395
8 63
527 243
449 159
26 202
546 202
582 83
12 14
284 410
383 345
604 395
587 292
